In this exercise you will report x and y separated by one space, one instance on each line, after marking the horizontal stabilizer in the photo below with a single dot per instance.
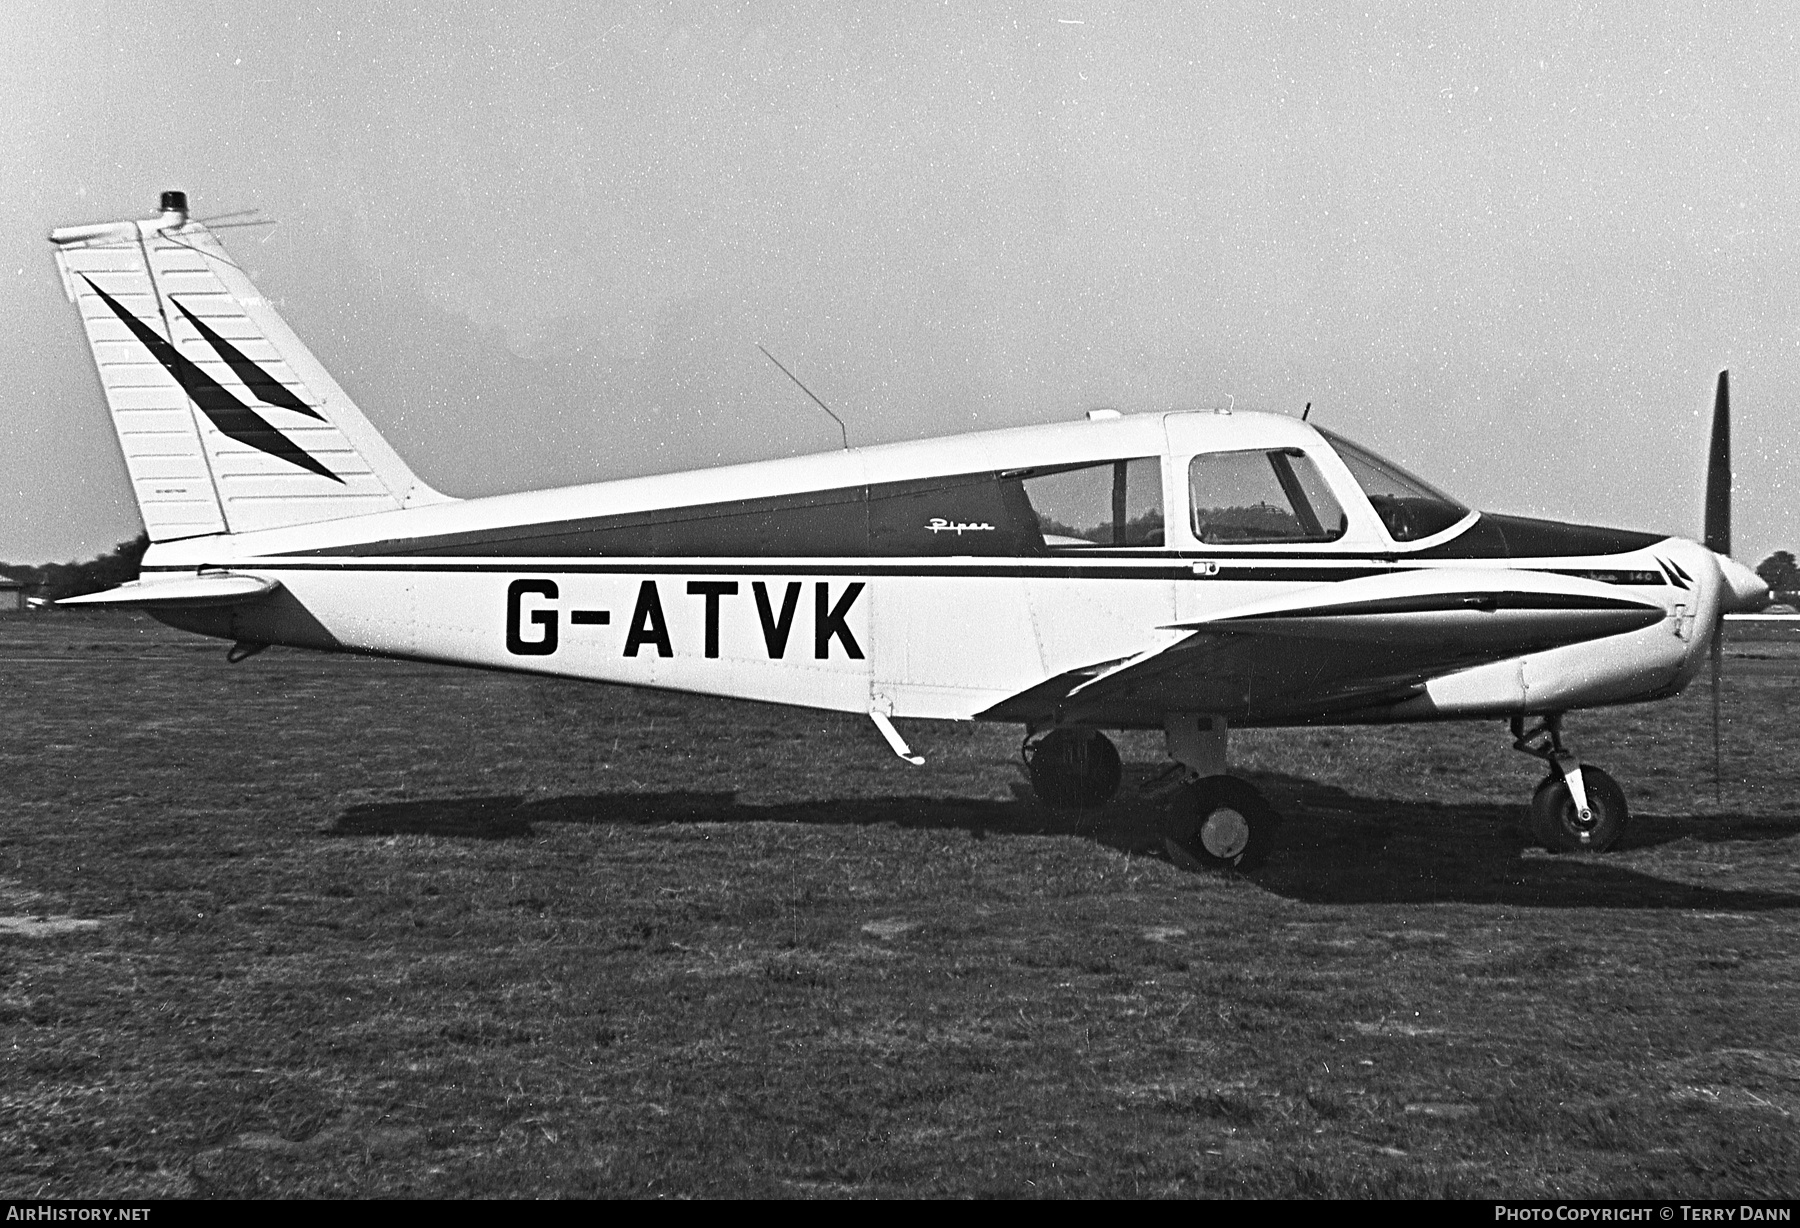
213 588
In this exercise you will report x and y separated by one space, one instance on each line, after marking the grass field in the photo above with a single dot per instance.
329 926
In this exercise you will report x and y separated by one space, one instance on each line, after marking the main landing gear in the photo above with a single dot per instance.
1073 769
1224 823
1578 808
1227 825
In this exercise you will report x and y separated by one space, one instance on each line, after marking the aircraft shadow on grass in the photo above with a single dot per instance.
1335 847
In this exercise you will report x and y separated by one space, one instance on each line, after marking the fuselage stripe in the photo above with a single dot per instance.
1162 569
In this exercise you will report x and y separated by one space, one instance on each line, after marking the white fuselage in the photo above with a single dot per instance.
941 635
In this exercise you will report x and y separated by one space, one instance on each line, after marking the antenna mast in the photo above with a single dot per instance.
809 392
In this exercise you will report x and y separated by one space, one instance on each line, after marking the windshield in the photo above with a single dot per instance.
1409 507
1245 498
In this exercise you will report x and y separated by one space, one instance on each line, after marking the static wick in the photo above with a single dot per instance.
809 392
1306 411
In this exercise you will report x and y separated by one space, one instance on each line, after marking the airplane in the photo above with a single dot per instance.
1192 572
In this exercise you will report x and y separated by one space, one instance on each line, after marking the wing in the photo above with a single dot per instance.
1336 648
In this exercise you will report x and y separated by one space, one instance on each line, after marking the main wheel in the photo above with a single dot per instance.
1229 826
1557 826
1074 769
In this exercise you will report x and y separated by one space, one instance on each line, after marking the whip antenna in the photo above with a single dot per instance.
809 392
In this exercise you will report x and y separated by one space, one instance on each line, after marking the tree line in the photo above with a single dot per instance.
1781 572
54 581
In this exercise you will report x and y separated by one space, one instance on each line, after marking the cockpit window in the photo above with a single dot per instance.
1410 508
1244 498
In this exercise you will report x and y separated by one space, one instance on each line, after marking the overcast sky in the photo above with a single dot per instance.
539 243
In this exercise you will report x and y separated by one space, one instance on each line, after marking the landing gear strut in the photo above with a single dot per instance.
1073 769
1578 808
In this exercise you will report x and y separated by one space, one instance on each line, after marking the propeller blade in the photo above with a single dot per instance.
1718 540
1718 471
1718 674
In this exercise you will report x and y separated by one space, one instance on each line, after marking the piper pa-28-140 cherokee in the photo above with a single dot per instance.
1188 572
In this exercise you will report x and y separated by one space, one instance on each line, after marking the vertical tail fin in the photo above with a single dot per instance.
228 423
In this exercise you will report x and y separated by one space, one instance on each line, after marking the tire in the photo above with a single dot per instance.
1228 826
1074 769
1556 826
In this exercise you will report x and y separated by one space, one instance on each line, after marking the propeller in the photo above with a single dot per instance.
1718 540
1718 472
1741 591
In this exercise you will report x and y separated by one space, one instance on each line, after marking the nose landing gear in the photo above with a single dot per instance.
1578 808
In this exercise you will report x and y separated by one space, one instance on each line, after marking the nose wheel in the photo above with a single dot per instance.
1578 808
1561 826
